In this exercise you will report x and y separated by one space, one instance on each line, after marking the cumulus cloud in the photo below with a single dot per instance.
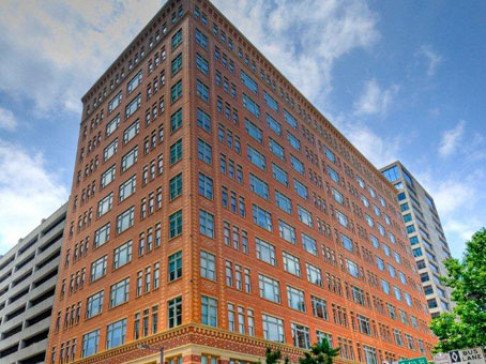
305 44
451 138
7 120
28 193
374 99
379 150
63 47
432 58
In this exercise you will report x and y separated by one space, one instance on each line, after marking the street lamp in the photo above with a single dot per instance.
148 347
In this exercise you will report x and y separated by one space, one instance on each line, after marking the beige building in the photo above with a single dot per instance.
424 230
28 276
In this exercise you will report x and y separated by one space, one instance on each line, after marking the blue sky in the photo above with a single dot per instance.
401 79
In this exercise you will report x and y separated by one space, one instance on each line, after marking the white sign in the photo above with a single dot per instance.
466 356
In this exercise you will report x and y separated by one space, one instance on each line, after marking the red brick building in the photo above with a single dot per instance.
214 212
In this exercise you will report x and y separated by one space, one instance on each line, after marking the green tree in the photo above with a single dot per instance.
272 357
320 353
465 325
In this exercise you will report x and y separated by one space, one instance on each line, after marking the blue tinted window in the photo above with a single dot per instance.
392 173
249 82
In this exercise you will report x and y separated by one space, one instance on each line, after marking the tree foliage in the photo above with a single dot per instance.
272 357
320 353
465 325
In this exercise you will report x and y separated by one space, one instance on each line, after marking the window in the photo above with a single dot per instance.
176 64
291 264
131 131
269 288
125 220
274 125
175 186
176 152
273 329
119 292
290 119
251 105
102 235
280 175
259 187
94 304
209 311
294 142
175 224
353 268
301 189
347 243
208 265
110 150
319 307
202 91
129 159
283 202
175 266
133 106
127 188
333 174
265 251
204 151
122 255
98 268
205 186
314 274
114 102
176 120
297 165
176 91
112 125
262 218
256 157
201 39
105 204
176 39
370 354
304 216
206 223
203 120
174 312
286 231
134 82
342 218
385 286
364 324
202 64
108 176
116 333
271 102
296 299
300 336
91 343
254 131
249 82
309 244
276 149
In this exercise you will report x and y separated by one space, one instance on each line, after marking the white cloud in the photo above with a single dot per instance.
451 139
54 50
375 100
28 193
380 151
7 120
304 44
432 57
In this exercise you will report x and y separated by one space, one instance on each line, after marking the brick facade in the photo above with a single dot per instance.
324 203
